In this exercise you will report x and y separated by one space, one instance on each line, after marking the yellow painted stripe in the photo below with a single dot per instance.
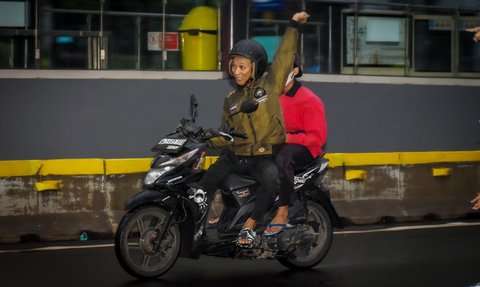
438 156
442 171
72 166
139 165
358 159
402 158
125 166
19 167
48 185
355 174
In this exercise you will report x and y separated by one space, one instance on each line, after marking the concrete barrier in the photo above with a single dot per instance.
65 199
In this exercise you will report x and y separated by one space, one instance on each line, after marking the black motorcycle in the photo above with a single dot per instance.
168 218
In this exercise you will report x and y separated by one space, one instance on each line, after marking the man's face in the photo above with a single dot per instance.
241 70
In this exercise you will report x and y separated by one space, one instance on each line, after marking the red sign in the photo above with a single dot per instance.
155 41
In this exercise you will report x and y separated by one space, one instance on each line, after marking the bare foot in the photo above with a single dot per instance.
280 218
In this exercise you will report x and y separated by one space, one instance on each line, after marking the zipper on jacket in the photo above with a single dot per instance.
253 132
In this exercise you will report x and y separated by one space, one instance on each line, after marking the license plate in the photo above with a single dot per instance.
177 142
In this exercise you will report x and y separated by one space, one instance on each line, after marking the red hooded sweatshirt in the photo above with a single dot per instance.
304 116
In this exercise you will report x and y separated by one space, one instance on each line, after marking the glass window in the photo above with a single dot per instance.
319 45
381 37
64 52
6 60
468 50
12 14
433 44
375 41
16 52
97 34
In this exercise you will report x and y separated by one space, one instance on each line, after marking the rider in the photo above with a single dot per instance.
306 126
264 127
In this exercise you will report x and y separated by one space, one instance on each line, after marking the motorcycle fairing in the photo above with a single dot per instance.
240 187
151 196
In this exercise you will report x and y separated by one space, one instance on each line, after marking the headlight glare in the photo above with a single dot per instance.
155 174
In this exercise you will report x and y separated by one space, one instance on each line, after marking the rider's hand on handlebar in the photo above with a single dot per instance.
226 136
241 135
235 134
208 133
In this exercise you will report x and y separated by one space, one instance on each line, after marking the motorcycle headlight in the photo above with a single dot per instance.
155 173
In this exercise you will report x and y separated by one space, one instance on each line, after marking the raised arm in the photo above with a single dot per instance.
283 61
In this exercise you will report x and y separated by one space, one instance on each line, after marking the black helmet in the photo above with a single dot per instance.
254 51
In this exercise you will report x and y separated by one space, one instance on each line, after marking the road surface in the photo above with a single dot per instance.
435 255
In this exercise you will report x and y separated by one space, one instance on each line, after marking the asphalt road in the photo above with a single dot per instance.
425 256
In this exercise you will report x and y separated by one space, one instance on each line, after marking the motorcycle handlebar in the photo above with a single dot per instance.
228 135
239 135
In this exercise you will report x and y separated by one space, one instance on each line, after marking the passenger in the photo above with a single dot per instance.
264 127
306 126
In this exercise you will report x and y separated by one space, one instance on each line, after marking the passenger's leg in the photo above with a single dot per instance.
288 157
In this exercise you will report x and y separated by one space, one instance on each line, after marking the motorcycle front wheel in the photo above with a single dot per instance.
321 225
134 245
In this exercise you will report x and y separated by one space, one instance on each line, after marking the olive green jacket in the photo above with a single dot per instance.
265 126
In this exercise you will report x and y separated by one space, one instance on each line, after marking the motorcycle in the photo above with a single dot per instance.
168 218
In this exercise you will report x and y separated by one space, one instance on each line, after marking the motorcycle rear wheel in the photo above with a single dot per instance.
134 246
319 220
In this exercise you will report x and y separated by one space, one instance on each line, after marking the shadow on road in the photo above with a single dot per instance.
306 278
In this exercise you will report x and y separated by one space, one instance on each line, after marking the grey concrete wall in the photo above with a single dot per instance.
107 118
94 203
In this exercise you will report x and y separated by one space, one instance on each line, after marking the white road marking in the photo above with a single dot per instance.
410 227
389 229
55 248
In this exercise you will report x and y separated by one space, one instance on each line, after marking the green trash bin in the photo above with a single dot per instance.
198 34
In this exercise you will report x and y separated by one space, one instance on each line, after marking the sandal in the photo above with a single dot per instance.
248 235
274 234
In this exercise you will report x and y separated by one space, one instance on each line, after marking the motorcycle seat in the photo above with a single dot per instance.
317 161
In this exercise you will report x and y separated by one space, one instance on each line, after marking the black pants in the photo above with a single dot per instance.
290 157
262 168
